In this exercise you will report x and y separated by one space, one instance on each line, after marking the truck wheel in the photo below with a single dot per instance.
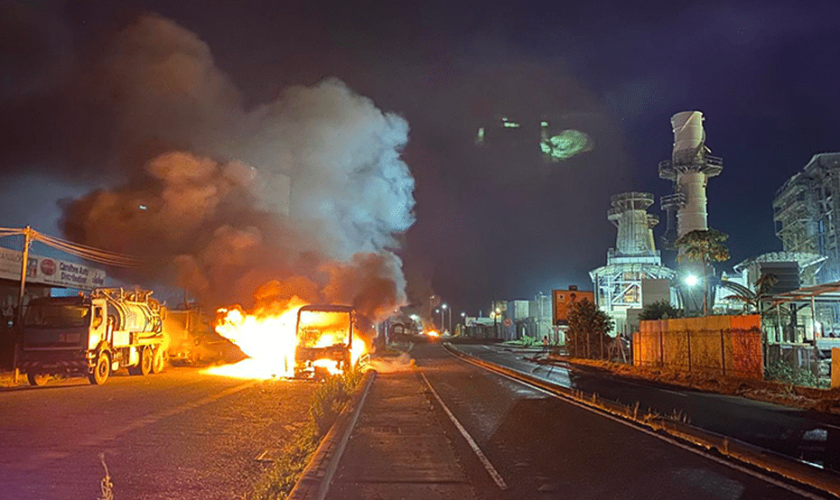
38 379
102 370
160 359
146 360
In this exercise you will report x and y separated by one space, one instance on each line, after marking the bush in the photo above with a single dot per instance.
661 309
329 399
786 373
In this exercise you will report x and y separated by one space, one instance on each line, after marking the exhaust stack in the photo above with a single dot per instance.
689 169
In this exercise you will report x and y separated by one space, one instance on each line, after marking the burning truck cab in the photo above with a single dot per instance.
324 335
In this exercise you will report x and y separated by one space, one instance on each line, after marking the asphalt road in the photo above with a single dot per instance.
180 434
544 447
801 434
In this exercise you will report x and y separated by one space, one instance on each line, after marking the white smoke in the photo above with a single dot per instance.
309 188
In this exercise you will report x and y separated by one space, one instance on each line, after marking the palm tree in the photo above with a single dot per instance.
763 285
704 246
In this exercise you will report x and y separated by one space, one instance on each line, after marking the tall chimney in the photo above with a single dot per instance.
689 169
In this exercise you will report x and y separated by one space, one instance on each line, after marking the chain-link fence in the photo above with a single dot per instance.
717 345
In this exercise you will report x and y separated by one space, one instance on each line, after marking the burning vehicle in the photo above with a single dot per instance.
296 340
325 342
194 342
93 335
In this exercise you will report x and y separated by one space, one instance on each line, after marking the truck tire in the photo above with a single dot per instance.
102 369
146 360
160 358
38 379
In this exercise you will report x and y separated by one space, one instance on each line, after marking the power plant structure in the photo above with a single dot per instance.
689 169
634 275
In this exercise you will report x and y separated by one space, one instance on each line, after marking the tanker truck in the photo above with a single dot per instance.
93 335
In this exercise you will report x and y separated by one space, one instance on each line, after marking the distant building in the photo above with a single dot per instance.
805 212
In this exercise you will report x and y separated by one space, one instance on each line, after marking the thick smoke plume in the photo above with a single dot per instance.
302 196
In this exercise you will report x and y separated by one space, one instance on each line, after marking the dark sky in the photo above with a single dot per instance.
497 221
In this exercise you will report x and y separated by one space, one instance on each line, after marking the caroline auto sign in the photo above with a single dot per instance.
48 271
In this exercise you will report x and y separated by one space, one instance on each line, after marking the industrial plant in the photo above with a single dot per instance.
634 267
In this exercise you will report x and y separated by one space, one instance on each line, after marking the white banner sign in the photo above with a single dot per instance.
48 271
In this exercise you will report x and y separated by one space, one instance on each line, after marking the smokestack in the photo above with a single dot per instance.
689 169
635 225
689 136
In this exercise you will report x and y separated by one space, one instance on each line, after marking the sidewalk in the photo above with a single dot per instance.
398 449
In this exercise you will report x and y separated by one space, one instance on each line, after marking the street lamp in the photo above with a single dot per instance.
444 306
692 280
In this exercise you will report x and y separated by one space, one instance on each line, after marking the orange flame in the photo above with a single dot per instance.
269 340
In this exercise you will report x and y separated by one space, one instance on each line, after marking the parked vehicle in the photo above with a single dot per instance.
93 335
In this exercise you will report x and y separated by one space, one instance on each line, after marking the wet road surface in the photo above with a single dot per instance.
180 434
544 447
801 434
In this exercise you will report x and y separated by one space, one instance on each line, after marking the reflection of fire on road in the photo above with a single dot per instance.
297 341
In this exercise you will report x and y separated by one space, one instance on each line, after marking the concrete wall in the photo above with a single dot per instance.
718 345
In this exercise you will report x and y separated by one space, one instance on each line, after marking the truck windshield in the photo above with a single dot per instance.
57 316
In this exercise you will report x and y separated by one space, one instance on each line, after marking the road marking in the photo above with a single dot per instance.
667 439
497 478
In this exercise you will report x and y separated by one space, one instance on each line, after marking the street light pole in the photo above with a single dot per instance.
443 308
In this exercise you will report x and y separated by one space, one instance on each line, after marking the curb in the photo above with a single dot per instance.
741 451
314 481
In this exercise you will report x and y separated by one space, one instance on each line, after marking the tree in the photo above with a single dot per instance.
588 329
661 309
703 246
763 285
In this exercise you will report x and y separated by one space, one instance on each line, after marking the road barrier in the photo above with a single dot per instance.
732 448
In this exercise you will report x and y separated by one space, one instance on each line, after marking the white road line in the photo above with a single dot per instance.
672 441
480 454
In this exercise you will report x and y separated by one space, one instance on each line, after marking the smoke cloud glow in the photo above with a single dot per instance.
302 196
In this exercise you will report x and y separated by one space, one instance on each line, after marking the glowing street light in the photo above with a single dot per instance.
691 280
445 306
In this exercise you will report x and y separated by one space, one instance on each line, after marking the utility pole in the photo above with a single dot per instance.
24 261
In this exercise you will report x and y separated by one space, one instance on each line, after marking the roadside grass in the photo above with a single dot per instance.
525 341
326 403
782 386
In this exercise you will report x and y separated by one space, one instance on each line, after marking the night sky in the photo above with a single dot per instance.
495 221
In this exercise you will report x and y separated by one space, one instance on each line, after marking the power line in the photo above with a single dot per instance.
86 252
